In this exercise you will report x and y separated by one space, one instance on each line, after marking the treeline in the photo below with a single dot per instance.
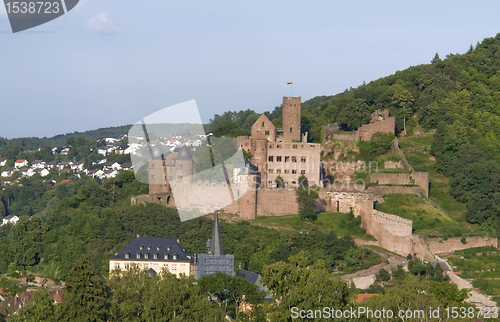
135 296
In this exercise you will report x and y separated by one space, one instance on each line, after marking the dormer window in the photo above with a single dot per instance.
127 255
168 248
141 248
174 257
149 247
146 256
166 256
157 247
155 256
138 256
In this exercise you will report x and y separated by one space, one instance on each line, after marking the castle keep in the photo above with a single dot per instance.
283 152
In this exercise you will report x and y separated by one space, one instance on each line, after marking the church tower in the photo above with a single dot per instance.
291 119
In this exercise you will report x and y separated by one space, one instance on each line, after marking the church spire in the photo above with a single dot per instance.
216 242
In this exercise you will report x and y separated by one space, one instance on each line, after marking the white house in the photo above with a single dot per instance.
172 143
3 162
111 165
12 219
38 164
193 143
20 163
8 172
110 140
104 150
127 166
96 173
42 172
77 166
27 172
110 173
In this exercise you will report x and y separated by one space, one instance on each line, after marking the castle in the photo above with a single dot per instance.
286 153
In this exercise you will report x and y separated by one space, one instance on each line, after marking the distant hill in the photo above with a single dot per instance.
93 135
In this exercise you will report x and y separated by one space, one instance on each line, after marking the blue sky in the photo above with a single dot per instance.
112 62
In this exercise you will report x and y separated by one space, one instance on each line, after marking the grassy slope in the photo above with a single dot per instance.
326 221
482 265
439 186
427 220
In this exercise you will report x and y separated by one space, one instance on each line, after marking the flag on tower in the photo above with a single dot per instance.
289 83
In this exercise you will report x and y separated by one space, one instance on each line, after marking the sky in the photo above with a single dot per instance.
113 62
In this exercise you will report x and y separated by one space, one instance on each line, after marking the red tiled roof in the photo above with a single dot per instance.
65 170
20 161
363 297
65 181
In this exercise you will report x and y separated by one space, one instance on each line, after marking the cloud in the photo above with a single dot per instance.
100 24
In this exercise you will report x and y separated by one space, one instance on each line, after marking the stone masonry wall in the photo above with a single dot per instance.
382 190
392 232
390 178
438 246
277 202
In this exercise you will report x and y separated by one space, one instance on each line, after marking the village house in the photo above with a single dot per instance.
103 150
62 150
77 166
42 172
123 149
110 173
20 163
52 164
99 161
127 166
38 164
3 162
11 219
7 172
111 165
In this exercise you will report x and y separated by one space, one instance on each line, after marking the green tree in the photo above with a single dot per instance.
279 181
306 198
40 308
85 294
27 240
231 293
382 276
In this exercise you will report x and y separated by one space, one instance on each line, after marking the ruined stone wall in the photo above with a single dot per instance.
277 202
391 178
438 246
382 190
366 131
345 137
422 179
393 165
392 232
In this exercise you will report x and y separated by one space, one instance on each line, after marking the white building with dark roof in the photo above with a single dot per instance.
159 254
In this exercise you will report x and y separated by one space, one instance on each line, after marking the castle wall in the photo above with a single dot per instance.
392 232
393 165
391 178
387 125
277 202
438 246
422 179
382 190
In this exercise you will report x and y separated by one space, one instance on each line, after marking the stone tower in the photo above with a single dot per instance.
183 165
291 119
249 183
157 174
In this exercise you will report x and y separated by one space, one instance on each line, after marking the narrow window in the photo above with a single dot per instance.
117 265
262 124
294 159
267 132
270 170
302 171
278 171
287 171
294 171
290 130
278 159
287 159
303 159
271 158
